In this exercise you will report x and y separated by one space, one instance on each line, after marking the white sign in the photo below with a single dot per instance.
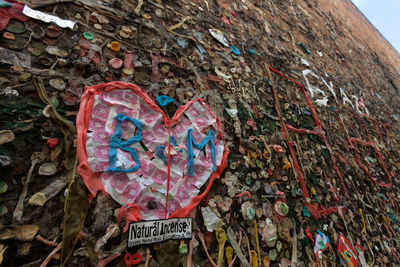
148 232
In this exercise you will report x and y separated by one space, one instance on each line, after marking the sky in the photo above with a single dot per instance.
385 16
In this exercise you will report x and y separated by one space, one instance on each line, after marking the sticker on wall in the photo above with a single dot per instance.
149 232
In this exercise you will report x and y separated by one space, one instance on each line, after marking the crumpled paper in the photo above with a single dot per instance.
36 14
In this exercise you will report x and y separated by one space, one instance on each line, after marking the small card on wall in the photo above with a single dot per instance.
149 232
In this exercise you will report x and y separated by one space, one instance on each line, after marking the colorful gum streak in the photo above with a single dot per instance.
253 156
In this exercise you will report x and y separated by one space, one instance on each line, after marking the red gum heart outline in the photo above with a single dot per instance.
92 179
356 141
315 210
